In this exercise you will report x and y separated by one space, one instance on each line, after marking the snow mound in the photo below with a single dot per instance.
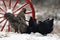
32 36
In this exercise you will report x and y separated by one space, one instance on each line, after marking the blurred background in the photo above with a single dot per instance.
43 9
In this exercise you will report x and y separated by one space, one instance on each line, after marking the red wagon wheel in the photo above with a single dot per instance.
28 2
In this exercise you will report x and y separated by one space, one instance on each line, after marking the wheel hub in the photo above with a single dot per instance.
7 15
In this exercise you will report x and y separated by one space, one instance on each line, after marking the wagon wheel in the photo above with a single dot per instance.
28 2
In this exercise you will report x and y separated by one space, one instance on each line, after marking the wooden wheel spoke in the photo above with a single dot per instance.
27 20
20 7
28 12
2 13
8 27
10 4
15 4
3 25
2 21
1 17
4 4
2 9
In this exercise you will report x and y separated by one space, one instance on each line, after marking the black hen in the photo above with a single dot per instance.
45 27
32 26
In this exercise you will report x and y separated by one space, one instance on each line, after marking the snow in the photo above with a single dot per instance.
32 36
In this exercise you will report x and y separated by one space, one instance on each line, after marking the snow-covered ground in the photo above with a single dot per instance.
32 36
